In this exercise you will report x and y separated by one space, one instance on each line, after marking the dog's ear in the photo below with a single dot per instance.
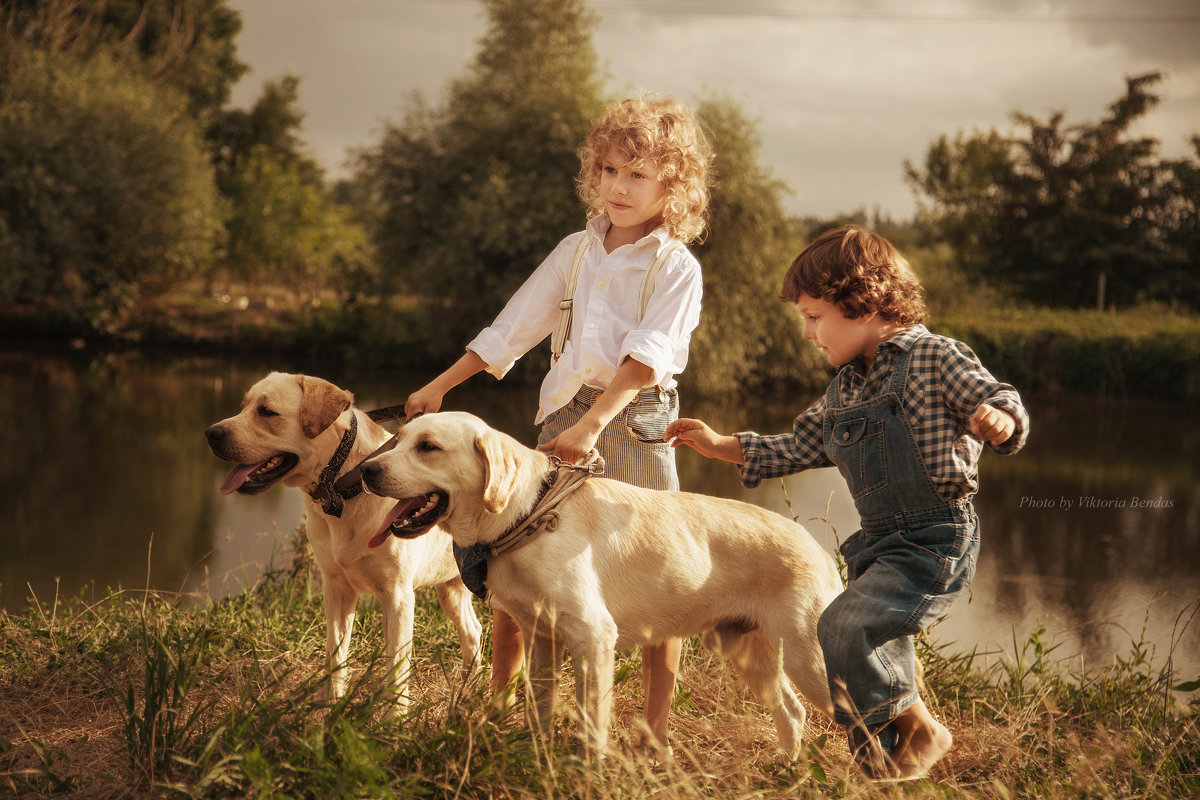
321 404
500 470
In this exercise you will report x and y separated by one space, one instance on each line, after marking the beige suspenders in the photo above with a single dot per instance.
562 331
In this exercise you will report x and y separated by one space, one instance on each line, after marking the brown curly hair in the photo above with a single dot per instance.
663 132
859 271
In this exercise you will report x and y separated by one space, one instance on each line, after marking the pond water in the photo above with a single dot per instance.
1093 530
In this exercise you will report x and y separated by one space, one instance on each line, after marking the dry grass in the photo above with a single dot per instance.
75 677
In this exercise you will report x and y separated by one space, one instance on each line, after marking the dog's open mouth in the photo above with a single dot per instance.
410 518
255 478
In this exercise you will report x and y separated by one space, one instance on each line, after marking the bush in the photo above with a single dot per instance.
106 191
1143 353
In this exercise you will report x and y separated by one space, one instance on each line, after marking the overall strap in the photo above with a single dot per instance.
651 277
562 331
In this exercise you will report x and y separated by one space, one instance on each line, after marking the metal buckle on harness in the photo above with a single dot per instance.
593 467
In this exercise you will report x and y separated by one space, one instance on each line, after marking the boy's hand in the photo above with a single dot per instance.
992 425
572 444
704 440
425 400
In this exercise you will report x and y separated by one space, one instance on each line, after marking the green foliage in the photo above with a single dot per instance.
284 227
1143 353
475 193
161 717
105 186
1080 215
186 44
747 338
286 230
271 125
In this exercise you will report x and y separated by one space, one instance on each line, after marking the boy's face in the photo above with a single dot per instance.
632 193
839 338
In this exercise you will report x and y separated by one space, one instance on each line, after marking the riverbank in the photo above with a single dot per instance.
1141 353
126 695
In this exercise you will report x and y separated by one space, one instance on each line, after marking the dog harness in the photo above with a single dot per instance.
558 484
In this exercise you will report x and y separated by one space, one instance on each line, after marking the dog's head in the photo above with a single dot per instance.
273 436
448 468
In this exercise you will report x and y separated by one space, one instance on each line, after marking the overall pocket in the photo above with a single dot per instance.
860 454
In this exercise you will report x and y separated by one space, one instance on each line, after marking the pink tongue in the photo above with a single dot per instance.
385 529
236 477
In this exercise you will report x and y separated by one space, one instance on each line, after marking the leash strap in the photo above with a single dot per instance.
557 486
331 492
325 492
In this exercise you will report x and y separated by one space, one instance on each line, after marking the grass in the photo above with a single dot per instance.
130 695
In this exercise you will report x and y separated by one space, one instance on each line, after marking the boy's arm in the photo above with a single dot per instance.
704 440
985 405
575 442
758 456
428 399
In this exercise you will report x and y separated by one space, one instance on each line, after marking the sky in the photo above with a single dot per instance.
843 92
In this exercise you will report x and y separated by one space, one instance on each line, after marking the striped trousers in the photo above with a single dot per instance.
632 444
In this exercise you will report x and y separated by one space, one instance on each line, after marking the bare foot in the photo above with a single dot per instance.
923 741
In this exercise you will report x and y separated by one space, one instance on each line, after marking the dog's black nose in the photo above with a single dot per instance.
215 434
371 469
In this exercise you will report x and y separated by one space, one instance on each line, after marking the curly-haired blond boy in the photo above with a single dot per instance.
632 296
904 421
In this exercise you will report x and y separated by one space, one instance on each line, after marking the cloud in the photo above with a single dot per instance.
843 92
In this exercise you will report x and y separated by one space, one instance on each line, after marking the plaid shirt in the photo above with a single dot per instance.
946 383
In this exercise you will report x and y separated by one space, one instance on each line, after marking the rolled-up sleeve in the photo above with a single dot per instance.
529 316
660 341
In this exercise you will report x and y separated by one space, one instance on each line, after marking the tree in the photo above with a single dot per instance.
1062 215
285 231
475 193
106 190
284 225
747 339
188 44
272 124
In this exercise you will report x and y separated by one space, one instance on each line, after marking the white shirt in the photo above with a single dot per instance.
604 328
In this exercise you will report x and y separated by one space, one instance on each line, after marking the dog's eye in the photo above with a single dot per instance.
427 446
263 411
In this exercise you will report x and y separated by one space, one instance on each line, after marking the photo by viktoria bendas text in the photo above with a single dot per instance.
1092 502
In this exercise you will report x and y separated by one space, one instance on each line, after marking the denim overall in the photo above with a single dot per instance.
915 554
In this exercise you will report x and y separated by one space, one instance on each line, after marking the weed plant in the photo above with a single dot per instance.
141 696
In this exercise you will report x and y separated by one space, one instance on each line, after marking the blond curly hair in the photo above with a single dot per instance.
860 272
661 131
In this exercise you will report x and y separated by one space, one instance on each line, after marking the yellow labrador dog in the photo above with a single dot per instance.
619 566
303 431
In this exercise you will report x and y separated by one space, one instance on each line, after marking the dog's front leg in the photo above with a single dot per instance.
399 607
594 664
543 655
340 601
455 600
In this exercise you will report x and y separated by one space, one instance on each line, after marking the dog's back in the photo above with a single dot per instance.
667 564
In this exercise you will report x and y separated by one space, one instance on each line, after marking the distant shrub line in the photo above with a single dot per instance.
1140 354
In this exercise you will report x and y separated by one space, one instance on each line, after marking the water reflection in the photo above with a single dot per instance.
110 479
